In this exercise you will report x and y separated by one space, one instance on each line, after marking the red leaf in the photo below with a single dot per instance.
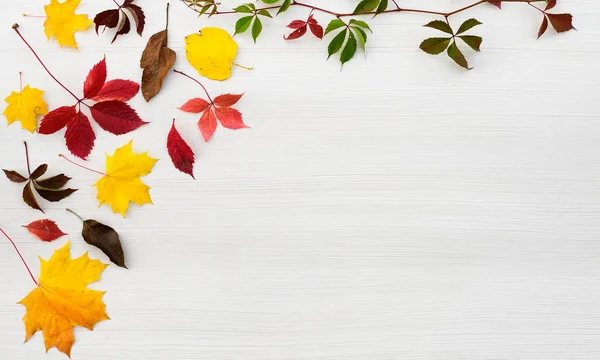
195 106
180 152
108 19
207 124
95 80
116 117
56 119
296 24
312 20
80 136
561 22
230 118
227 100
123 28
497 3
45 230
117 89
138 17
551 4
317 30
296 34
543 27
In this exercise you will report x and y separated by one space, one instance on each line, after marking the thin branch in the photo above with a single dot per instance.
198 82
21 256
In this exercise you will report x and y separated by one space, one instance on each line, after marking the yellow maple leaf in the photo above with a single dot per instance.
62 22
122 182
62 299
211 52
24 107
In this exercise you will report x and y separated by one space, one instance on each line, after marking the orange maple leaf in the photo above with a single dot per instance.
63 300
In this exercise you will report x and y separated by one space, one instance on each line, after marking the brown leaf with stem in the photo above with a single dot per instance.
157 59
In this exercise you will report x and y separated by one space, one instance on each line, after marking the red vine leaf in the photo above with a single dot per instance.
138 17
230 118
543 27
561 22
39 171
118 19
14 176
116 117
497 3
227 99
300 27
207 124
80 136
29 198
95 80
121 90
56 119
195 105
45 230
180 152
108 19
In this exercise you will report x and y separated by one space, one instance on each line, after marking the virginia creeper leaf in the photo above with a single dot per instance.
45 230
180 152
121 90
195 105
455 54
95 80
116 117
473 41
39 171
349 49
57 119
80 136
14 176
440 25
468 24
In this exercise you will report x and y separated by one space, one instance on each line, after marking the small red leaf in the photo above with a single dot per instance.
56 119
551 4
296 24
561 22
95 80
80 136
207 124
497 3
296 34
116 117
227 100
311 19
108 19
45 230
195 106
543 27
138 17
180 152
122 90
317 30
230 118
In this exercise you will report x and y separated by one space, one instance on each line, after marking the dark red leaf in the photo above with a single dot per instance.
138 17
116 117
45 230
230 118
56 119
227 100
39 171
311 19
296 24
180 152
127 2
195 106
29 198
54 195
123 28
497 3
296 34
543 27
54 182
80 136
551 4
95 80
14 176
207 124
317 30
122 90
108 19
561 22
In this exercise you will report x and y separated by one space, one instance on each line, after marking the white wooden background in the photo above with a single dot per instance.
399 209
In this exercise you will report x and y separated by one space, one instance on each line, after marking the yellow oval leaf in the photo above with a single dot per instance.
211 52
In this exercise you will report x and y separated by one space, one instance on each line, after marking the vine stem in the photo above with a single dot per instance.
21 81
198 82
76 214
396 10
27 158
81 166
16 29
21 256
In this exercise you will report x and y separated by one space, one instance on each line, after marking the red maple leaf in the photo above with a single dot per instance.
300 27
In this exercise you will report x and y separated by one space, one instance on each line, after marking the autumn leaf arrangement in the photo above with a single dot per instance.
348 31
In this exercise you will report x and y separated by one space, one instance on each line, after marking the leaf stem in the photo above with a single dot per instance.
81 166
16 29
27 158
21 256
198 82
167 15
20 81
74 213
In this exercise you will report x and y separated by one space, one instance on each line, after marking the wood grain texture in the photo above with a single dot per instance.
399 209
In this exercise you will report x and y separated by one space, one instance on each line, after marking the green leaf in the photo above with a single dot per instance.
383 5
333 25
473 41
264 13
440 25
349 49
270 2
336 43
243 24
435 46
361 24
285 6
468 24
458 57
361 36
365 6
256 29
243 9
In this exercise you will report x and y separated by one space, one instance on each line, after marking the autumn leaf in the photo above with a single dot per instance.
211 52
49 188
300 27
117 18
62 299
45 230
157 60
104 238
180 152
62 22
24 106
122 183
